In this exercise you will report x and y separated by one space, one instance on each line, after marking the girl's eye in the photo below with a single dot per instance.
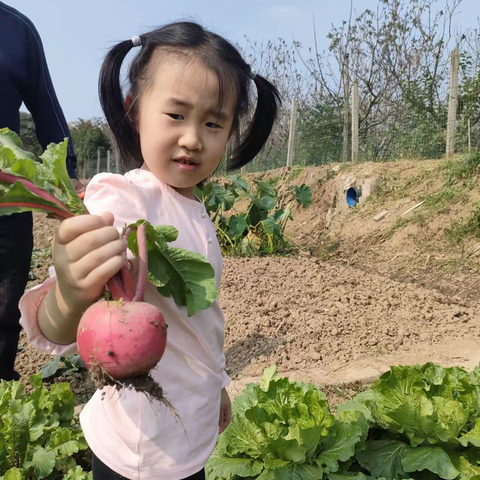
175 116
213 125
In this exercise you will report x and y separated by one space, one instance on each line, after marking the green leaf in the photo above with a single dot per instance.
220 196
264 189
452 415
13 474
269 203
54 171
383 458
271 227
237 225
75 360
192 279
11 140
259 416
414 419
226 467
248 248
35 381
297 471
203 193
288 450
303 195
346 412
77 473
268 375
239 182
50 176
257 213
472 437
339 445
243 437
17 198
434 375
281 215
246 400
43 462
64 441
351 476
434 459
318 410
50 368
466 469
185 275
169 233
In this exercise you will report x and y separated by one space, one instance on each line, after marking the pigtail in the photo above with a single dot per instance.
114 108
261 125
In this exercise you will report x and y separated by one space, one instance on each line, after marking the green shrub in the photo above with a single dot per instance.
39 436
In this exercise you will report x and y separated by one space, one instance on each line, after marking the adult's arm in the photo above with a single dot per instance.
41 100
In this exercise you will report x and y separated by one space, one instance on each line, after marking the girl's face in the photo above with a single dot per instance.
183 133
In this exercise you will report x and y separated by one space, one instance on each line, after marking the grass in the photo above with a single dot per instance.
461 229
296 172
419 218
441 201
461 171
273 181
399 223
328 250
386 186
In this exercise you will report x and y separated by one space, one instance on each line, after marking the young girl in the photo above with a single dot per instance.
189 89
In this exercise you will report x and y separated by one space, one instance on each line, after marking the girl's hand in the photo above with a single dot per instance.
225 411
87 252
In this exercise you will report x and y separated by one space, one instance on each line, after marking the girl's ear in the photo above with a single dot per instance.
130 111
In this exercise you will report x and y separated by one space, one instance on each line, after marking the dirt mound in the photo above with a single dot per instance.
301 313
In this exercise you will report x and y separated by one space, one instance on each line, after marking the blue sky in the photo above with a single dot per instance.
77 33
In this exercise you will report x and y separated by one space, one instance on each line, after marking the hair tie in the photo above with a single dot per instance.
252 74
137 41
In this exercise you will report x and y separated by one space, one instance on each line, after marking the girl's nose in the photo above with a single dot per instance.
190 139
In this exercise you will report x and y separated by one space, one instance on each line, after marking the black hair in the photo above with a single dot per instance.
219 56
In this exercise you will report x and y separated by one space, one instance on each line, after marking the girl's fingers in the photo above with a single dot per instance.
103 273
90 241
72 228
91 261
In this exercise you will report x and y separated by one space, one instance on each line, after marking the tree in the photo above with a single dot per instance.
28 135
88 136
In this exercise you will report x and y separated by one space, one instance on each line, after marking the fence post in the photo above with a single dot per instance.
117 163
291 134
469 137
355 113
452 103
98 161
346 111
84 172
108 161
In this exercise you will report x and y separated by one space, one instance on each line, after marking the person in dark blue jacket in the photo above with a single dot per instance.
24 78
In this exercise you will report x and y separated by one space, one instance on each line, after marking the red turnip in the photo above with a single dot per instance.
120 341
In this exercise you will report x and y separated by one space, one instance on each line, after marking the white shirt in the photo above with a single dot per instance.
135 437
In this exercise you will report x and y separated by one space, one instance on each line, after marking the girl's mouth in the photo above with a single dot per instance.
186 164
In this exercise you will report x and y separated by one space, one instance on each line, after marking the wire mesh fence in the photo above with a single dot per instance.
358 129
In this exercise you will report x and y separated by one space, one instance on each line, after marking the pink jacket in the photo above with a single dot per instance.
133 436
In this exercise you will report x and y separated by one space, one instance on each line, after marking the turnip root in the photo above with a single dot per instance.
124 338
120 341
